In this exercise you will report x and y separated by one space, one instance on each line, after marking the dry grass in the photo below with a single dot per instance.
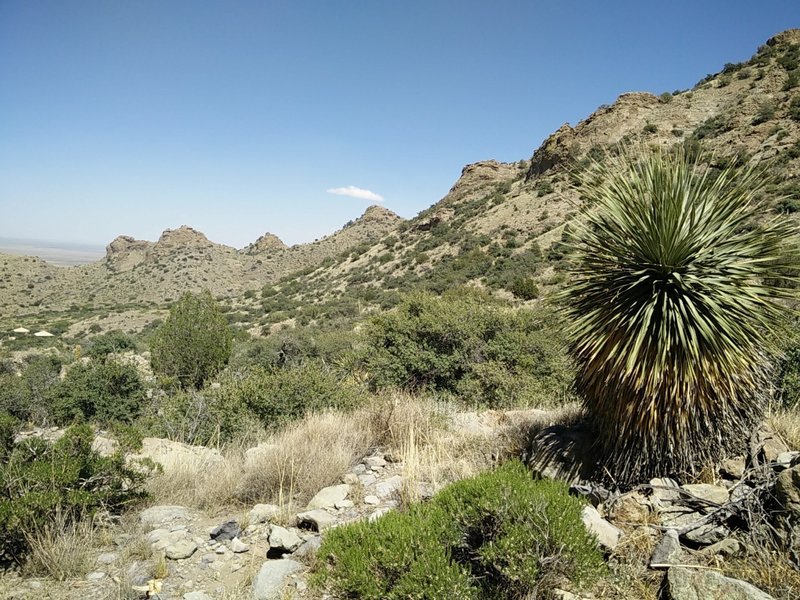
305 457
786 423
62 550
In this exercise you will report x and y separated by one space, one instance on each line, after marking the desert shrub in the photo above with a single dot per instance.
105 392
280 395
8 429
672 295
28 397
195 341
464 345
498 535
525 288
109 343
39 481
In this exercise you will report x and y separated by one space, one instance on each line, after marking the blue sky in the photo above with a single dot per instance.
236 117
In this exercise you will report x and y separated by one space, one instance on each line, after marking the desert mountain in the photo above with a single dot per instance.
142 273
499 227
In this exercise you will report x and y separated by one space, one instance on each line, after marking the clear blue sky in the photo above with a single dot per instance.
236 117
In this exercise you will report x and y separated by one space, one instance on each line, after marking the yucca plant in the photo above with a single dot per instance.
676 283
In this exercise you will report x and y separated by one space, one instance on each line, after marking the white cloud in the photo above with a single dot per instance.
356 192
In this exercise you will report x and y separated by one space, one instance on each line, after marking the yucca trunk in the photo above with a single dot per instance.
669 308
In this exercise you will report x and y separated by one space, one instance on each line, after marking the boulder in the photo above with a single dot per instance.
282 539
164 515
271 578
262 513
386 488
180 550
225 531
711 493
316 519
787 491
705 584
631 508
329 496
238 546
726 547
733 467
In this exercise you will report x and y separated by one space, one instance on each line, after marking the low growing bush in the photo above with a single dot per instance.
499 535
39 481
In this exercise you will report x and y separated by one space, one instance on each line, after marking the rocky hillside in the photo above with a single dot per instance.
149 274
501 225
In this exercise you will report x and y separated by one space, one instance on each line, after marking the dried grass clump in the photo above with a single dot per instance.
62 549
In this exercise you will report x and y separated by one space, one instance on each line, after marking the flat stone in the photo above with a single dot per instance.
199 595
706 584
787 491
281 538
318 519
787 460
262 513
386 488
344 504
375 462
663 489
107 558
711 493
309 547
668 552
367 479
726 547
157 515
167 539
329 496
707 534
773 448
372 500
607 535
733 467
180 550
238 546
225 531
271 578
96 576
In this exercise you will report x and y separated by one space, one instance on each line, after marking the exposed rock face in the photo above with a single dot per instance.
379 214
125 252
556 150
691 584
485 171
268 242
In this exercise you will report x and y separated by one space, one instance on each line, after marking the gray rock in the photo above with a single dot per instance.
377 514
708 492
367 479
271 578
668 552
707 534
372 500
309 547
238 546
262 513
107 558
317 519
787 460
787 491
374 462
350 478
96 576
180 550
344 504
359 469
281 538
168 539
226 531
733 467
663 490
772 447
386 488
705 584
726 547
329 496
157 515
196 596
607 535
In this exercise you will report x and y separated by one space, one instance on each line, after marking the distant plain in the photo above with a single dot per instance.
63 254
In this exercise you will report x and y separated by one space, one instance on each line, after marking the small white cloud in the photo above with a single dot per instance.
356 192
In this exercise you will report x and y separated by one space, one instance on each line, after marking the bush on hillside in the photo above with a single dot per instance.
110 343
499 535
194 343
105 392
465 345
40 482
28 397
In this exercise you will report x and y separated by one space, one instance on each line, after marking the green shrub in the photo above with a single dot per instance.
499 535
109 343
28 397
465 345
674 290
40 481
525 288
195 341
105 392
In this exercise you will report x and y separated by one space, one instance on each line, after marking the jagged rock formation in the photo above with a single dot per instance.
266 243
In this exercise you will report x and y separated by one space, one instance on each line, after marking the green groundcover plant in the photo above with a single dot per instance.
499 535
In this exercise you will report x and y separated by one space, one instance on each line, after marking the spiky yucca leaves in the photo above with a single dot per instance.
674 290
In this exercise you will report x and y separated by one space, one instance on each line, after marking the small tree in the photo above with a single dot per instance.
194 343
676 278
